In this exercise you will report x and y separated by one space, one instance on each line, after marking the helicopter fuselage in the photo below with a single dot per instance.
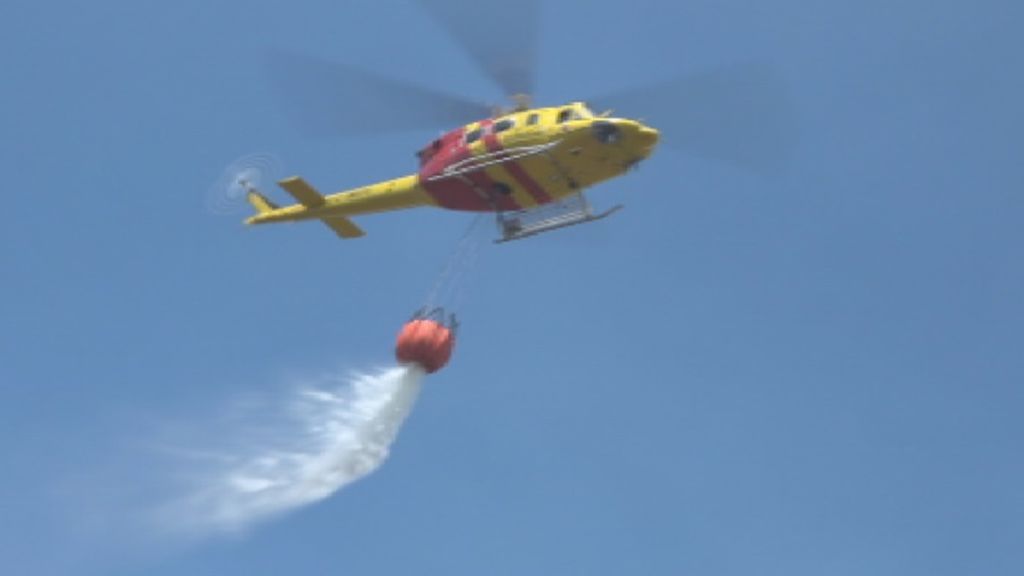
531 157
511 162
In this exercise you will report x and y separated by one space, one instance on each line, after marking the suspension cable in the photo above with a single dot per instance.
465 251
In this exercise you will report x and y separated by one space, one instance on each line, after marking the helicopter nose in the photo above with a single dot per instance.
648 136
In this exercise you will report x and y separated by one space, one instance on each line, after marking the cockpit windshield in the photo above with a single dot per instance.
577 111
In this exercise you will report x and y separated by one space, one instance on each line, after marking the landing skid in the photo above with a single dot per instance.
570 212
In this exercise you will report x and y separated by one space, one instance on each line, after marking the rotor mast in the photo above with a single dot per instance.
520 103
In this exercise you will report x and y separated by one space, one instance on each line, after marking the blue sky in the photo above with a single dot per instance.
818 373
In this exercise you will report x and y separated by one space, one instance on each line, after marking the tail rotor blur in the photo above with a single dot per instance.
228 194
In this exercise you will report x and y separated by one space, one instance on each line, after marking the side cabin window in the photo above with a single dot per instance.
532 119
474 135
503 124
565 115
427 153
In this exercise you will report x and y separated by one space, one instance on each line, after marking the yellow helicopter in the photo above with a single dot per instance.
528 165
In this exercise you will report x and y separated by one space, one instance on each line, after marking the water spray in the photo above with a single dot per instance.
338 432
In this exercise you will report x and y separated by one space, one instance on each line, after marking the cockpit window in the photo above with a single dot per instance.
503 124
473 136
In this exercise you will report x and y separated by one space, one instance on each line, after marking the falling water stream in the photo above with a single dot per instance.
336 435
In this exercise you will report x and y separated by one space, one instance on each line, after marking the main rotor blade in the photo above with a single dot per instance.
741 115
500 36
327 99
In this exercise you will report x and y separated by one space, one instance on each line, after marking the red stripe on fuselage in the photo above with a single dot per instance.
504 202
516 170
490 138
526 181
454 192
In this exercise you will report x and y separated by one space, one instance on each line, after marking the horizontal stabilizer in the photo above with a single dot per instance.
344 227
302 191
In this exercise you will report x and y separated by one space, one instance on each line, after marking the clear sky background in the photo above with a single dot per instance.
817 373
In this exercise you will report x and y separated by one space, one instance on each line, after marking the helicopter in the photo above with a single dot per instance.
529 166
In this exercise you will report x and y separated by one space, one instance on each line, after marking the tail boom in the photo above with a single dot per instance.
335 209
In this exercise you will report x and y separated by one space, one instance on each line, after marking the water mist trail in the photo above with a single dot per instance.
338 435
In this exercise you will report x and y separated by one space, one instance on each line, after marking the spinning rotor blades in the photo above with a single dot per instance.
740 115
501 38
329 99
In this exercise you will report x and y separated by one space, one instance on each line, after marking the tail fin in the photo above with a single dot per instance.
260 202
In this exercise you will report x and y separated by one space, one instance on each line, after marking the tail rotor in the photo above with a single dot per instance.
227 196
